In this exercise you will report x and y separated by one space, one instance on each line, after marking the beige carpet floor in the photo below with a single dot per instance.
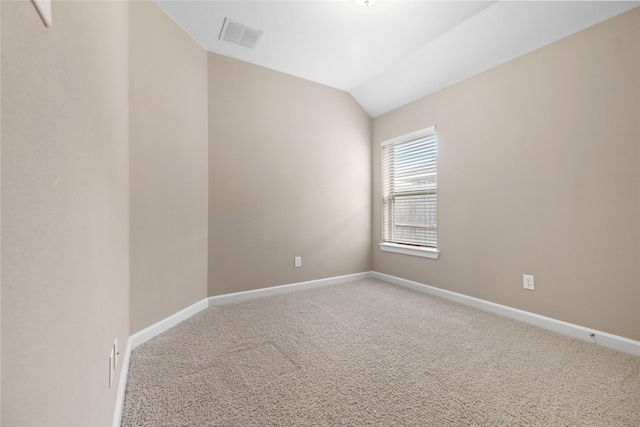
367 353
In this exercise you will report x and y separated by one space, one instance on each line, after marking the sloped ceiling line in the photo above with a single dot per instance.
394 51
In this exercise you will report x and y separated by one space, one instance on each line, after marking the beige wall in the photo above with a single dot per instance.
65 210
168 102
290 174
538 173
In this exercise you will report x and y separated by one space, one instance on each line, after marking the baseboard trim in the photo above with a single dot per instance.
122 385
158 328
146 334
275 290
143 336
604 339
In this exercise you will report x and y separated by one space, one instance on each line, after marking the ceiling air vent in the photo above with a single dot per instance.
239 34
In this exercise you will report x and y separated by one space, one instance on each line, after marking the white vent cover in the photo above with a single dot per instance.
239 34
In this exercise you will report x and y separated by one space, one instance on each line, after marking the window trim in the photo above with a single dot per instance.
409 136
419 251
400 248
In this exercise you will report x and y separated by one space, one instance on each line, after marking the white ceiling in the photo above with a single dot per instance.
394 51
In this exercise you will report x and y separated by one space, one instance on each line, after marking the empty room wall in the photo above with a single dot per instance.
290 175
538 173
168 102
65 211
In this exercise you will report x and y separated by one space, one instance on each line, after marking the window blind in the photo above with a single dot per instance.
409 211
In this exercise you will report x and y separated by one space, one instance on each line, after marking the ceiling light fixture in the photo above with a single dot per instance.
365 2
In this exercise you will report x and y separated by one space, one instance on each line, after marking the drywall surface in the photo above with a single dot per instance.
289 175
538 173
168 103
65 211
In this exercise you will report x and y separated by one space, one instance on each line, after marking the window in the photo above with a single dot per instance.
409 214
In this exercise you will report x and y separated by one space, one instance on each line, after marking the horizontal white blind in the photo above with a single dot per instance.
409 189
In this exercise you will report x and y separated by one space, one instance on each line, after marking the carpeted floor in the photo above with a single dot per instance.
370 353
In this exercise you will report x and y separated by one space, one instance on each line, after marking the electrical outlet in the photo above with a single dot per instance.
527 281
297 261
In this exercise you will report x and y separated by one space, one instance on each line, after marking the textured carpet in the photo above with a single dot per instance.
369 353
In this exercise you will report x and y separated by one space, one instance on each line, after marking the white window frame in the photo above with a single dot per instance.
400 248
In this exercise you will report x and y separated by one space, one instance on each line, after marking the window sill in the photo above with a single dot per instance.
430 253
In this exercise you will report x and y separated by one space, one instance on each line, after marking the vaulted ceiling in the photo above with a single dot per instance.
391 52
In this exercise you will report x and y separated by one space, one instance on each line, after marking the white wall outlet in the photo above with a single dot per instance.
527 281
297 261
111 372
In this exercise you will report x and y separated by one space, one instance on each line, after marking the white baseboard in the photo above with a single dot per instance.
275 290
143 336
602 338
605 339
146 334
122 385
171 321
